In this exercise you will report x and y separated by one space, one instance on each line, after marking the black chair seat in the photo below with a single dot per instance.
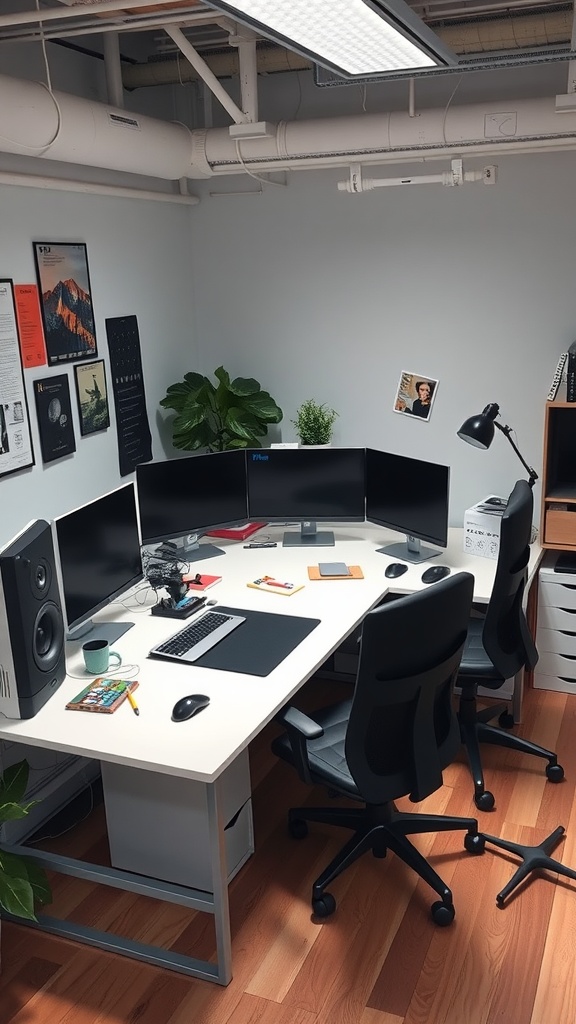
476 667
393 739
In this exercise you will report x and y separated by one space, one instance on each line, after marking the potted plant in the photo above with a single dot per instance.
229 414
314 423
22 882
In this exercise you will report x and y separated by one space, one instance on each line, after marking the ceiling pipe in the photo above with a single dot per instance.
113 69
78 10
94 188
61 127
200 65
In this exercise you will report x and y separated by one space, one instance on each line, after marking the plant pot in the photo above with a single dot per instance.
329 445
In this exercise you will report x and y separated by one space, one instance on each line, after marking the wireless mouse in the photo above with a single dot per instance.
435 573
186 707
395 569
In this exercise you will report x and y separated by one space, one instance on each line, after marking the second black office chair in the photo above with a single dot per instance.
499 646
392 739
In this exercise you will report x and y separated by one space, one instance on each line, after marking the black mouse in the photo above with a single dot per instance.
188 706
435 573
395 569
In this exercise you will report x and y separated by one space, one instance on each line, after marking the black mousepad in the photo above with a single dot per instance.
258 645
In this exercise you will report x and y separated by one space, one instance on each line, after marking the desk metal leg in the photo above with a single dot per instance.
219 884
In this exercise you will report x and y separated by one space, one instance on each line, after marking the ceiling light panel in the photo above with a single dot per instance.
351 37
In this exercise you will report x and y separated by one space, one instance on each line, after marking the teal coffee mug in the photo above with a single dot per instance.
97 656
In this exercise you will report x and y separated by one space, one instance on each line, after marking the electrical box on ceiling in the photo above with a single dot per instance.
253 130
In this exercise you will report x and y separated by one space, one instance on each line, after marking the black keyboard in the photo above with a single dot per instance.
199 637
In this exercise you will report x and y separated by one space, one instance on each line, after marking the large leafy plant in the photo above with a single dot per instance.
22 882
229 414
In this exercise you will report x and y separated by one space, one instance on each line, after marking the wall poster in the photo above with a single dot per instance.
65 301
16 450
54 413
415 395
92 395
132 427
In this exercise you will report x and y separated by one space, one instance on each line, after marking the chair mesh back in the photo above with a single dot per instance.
402 729
506 637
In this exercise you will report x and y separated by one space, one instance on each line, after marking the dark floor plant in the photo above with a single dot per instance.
22 882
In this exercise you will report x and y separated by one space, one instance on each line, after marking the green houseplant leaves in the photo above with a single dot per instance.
231 414
22 882
314 423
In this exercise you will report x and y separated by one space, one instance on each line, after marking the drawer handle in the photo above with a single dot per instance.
569 611
566 632
567 679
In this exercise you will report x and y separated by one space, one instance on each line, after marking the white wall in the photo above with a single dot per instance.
139 262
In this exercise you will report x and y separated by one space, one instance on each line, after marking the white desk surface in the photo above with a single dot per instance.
240 705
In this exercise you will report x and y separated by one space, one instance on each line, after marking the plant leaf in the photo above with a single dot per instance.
13 782
242 386
264 407
16 895
13 812
223 376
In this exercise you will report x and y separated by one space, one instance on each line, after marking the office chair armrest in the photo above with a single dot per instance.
300 729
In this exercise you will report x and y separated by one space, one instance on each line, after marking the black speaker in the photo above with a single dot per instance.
32 660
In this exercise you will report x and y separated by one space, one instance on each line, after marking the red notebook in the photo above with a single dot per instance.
200 581
237 532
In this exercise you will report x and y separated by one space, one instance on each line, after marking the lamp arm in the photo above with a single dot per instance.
506 430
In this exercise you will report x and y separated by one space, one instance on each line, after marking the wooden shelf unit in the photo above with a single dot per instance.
558 524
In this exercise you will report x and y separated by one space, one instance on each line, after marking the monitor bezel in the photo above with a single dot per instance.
429 538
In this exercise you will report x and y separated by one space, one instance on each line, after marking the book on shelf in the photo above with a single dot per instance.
274 586
200 581
571 374
558 375
102 695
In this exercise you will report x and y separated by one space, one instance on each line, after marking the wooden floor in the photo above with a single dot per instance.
378 960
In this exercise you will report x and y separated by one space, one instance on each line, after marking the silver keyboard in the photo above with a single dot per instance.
200 636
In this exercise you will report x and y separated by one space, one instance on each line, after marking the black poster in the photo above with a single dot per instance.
54 412
134 438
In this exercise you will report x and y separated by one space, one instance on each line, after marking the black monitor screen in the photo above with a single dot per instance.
410 496
98 548
192 495
306 484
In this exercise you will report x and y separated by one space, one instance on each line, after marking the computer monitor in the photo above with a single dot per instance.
98 558
410 496
180 499
306 485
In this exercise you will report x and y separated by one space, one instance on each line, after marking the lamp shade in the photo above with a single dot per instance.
478 430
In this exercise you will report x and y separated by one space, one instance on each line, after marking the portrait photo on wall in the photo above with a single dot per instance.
92 395
54 412
415 395
65 301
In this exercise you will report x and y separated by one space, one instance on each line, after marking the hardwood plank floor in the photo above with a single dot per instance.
378 960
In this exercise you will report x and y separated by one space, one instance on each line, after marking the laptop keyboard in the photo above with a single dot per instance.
200 636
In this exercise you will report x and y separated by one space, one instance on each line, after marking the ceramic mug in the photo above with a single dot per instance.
97 656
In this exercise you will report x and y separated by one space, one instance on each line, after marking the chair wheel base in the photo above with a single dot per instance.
324 905
474 844
442 913
506 720
484 801
554 772
298 828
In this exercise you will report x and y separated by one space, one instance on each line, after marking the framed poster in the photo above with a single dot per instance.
415 395
65 301
92 395
16 450
52 395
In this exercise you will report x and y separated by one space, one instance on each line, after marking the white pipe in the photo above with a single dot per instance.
71 185
248 74
208 76
77 11
114 88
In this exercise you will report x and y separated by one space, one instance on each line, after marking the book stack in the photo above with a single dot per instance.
571 374
557 379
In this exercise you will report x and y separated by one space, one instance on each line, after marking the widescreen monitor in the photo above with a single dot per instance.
98 556
180 499
306 485
410 496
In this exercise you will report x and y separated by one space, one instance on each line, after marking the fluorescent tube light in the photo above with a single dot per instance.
353 38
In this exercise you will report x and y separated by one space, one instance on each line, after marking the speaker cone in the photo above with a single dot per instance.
48 636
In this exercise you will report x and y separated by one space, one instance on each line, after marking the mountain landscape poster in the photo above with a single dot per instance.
65 301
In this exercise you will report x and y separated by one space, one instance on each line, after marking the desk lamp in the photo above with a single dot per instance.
479 431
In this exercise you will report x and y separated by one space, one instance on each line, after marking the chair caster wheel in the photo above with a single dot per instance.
442 913
324 906
298 829
554 772
506 720
485 802
474 844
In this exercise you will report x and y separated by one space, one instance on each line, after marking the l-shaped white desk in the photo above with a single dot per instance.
177 795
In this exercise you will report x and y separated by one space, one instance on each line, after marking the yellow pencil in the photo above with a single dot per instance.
133 703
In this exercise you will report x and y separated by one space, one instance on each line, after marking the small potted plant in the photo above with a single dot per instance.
314 423
22 882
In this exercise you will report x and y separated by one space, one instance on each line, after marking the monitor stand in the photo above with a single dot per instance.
309 537
410 551
188 549
90 630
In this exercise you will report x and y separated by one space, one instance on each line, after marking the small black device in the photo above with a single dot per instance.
435 573
181 610
395 569
262 544
187 707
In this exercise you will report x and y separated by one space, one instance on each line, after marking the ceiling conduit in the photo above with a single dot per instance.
66 128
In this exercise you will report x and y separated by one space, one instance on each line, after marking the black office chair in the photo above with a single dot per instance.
498 646
393 738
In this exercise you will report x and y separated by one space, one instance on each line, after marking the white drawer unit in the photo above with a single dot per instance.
556 633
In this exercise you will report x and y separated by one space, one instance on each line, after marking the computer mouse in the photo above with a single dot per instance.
186 707
435 573
395 569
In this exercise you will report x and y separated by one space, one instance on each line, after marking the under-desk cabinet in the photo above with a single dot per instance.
158 824
556 630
